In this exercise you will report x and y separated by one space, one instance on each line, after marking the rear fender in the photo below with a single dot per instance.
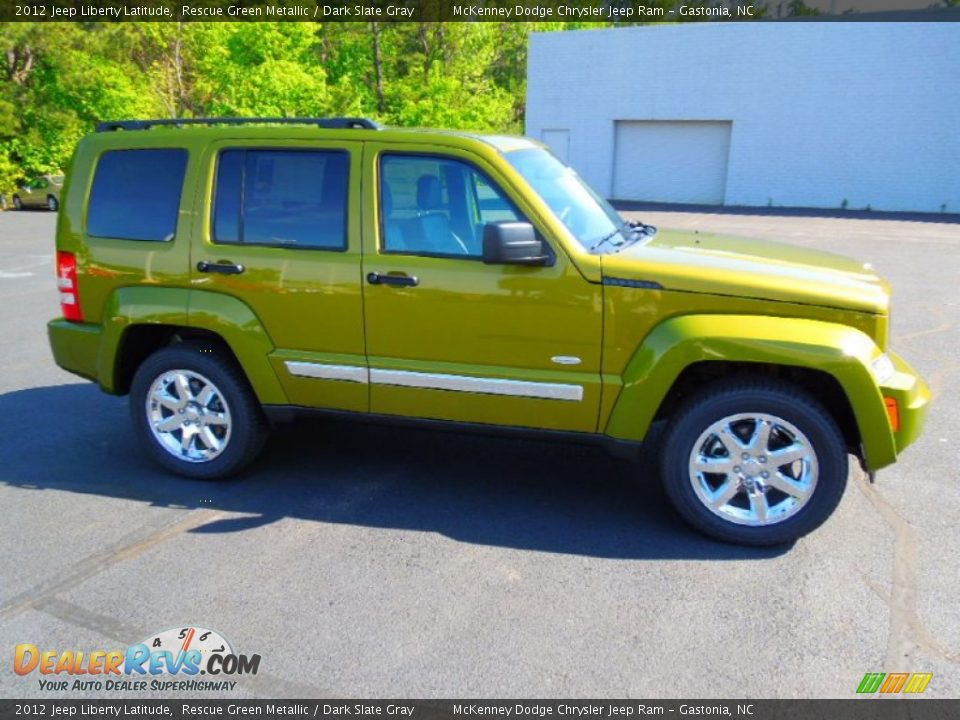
229 318
130 306
238 325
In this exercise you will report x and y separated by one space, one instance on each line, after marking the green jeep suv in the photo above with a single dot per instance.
229 273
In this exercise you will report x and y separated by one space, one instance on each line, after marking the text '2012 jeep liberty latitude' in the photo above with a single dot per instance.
223 272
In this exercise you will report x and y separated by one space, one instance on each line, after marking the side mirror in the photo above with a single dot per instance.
513 243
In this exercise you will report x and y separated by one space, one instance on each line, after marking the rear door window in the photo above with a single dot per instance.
136 194
286 198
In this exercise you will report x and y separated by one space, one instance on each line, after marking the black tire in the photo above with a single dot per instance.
52 204
248 427
17 203
774 398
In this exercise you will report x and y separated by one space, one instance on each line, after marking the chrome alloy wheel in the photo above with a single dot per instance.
188 416
753 469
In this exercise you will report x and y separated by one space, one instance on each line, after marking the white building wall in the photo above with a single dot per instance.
821 112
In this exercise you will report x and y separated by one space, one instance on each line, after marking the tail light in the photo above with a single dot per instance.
67 284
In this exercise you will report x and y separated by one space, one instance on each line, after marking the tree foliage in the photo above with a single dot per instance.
60 79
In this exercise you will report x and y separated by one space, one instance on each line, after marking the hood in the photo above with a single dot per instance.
698 262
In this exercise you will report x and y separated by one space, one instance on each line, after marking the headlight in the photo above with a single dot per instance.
882 368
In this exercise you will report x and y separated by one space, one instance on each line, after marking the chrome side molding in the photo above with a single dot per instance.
437 381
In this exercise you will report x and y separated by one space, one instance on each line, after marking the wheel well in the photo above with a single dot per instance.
823 386
140 341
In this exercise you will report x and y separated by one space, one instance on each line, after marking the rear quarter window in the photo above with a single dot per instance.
136 194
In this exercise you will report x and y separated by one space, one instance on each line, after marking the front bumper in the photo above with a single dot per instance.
912 396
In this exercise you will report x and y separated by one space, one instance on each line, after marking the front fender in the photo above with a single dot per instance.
839 350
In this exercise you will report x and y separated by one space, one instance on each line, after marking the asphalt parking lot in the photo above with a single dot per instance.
367 561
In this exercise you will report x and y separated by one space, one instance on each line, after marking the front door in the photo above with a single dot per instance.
278 234
450 337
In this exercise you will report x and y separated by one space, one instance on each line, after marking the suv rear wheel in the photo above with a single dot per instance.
755 463
195 413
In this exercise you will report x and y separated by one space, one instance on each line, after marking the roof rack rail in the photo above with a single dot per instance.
333 123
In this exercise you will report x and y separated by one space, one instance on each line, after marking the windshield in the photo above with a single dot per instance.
588 216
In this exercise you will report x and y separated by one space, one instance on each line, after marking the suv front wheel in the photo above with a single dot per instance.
755 463
195 413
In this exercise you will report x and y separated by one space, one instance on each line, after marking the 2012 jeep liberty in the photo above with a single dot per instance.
225 273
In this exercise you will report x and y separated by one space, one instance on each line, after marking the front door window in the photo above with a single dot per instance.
437 206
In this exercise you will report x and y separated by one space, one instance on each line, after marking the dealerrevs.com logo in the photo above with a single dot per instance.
168 661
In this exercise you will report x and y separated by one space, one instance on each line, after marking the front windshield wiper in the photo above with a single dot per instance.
633 226
608 237
642 228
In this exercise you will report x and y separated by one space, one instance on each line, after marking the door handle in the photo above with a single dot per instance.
224 268
399 280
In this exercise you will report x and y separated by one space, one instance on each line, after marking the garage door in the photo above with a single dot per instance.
671 161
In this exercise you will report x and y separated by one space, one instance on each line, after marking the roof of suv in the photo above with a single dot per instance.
300 128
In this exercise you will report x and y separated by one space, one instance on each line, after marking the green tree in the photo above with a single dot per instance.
265 69
59 79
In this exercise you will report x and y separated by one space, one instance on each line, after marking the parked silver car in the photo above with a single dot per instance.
43 191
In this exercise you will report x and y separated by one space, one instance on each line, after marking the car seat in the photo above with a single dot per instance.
434 222
393 236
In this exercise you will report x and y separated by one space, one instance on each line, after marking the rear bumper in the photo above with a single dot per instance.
75 346
912 396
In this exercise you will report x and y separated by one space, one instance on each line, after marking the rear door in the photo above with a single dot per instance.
279 234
